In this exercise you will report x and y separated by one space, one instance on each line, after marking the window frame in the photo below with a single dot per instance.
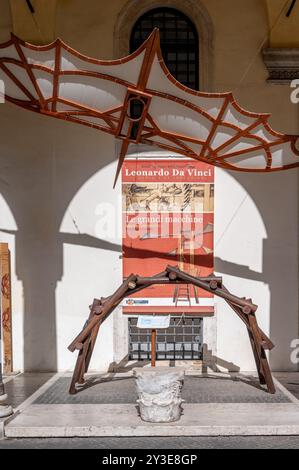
179 15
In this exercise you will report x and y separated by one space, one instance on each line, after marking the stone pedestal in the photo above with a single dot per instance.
159 393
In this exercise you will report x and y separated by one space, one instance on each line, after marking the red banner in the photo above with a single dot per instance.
168 218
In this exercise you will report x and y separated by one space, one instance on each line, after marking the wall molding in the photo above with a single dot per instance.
282 64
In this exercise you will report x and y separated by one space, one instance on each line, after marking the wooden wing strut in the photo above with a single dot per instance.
58 81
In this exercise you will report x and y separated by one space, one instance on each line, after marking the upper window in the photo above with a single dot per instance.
179 42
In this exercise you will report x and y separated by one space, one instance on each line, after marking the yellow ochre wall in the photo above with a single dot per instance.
38 28
285 32
54 17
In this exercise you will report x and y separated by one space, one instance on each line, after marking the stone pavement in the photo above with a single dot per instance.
204 419
22 386
197 389
290 380
156 443
217 404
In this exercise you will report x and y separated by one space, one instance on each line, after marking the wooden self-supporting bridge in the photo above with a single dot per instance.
102 308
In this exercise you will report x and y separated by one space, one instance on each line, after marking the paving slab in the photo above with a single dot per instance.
290 380
155 443
215 405
22 386
197 389
201 419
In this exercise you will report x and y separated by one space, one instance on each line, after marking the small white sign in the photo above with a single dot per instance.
153 322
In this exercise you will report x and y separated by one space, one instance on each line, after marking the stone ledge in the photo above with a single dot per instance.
213 419
282 65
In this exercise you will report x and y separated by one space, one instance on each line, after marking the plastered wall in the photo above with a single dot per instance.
54 175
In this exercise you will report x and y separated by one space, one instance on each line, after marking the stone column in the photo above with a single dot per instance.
5 409
159 393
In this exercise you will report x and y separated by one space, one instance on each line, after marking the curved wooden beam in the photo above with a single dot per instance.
101 309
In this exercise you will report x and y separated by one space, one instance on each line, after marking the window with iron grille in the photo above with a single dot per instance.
179 42
183 340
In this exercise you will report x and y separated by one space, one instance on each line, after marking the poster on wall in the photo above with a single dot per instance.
168 218
5 308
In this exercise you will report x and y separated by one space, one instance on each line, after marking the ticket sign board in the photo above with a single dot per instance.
168 219
153 322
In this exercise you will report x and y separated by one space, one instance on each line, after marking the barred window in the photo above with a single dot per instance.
179 42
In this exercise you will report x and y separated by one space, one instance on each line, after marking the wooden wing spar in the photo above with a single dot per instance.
137 100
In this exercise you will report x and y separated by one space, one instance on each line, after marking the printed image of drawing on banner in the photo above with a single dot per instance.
168 218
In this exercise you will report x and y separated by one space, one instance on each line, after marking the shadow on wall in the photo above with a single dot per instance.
272 195
210 362
41 172
216 364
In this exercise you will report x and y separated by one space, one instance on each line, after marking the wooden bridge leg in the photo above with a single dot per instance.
257 340
80 367
85 353
93 338
267 372
76 373
86 345
83 360
262 361
256 358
